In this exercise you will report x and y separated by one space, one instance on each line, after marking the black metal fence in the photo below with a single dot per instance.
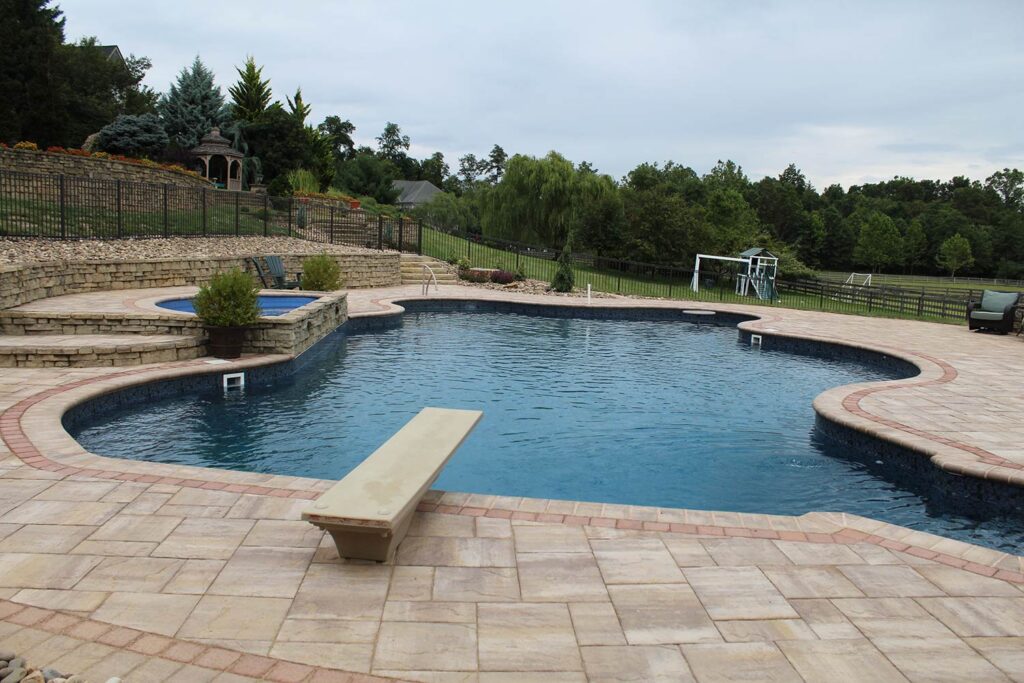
74 207
715 283
35 205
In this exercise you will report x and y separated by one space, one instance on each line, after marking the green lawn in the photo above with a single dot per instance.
30 218
925 282
444 246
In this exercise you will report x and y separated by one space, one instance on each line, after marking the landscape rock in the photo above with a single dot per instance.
15 676
37 250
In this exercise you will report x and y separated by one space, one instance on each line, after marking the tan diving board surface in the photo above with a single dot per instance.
369 511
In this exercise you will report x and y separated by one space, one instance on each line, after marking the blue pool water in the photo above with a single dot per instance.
651 413
269 305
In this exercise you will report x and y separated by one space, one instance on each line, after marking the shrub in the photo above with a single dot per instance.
321 273
24 144
520 273
229 300
463 263
470 275
303 181
564 277
502 277
280 187
142 135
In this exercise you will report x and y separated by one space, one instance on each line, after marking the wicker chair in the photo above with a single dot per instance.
996 311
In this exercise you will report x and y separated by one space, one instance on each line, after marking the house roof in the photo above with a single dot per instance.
415 191
757 251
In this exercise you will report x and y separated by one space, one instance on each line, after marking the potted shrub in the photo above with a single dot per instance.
227 306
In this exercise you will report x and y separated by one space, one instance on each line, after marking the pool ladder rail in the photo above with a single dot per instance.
426 281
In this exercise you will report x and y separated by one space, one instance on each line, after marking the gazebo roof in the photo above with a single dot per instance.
215 143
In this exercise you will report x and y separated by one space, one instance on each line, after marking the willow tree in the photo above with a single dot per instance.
251 95
537 200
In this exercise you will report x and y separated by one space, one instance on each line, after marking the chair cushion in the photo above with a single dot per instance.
986 315
997 302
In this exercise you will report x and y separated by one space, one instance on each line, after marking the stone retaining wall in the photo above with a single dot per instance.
28 161
289 334
113 355
24 283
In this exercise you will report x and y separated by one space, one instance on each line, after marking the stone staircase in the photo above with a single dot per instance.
413 273
96 350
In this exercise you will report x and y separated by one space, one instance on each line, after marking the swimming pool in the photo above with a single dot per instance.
269 304
624 411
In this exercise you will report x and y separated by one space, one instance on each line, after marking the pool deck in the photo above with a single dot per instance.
158 572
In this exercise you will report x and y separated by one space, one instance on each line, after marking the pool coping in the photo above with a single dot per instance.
30 432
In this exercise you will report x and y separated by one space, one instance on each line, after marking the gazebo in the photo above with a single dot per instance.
221 163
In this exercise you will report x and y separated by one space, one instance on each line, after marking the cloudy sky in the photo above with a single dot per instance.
849 91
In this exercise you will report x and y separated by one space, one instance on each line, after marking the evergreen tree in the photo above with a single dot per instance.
298 108
564 279
494 167
192 106
134 136
31 33
251 95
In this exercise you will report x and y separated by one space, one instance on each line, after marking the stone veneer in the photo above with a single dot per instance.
294 332
24 283
28 161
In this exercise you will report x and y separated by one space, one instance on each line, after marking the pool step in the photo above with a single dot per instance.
96 350
413 274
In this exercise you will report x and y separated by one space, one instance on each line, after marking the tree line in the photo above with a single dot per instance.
665 213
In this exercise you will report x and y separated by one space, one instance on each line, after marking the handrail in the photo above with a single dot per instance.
426 282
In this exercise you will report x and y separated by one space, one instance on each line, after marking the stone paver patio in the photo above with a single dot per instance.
157 572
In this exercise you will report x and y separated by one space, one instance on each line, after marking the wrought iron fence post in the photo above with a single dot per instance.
419 237
167 226
266 214
401 233
517 259
236 214
63 211
204 212
920 303
290 200
380 232
120 218
330 227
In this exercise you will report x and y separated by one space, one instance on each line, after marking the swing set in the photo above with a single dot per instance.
757 270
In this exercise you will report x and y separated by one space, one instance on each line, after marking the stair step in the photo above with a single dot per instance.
96 350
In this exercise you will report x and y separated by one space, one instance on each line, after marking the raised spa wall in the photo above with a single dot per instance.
288 334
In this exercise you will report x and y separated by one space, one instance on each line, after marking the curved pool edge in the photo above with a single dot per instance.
34 426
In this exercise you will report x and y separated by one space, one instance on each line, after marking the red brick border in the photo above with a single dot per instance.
214 658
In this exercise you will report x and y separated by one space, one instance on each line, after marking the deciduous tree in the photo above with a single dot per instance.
955 254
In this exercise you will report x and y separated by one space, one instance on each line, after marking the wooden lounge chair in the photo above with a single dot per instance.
274 276
368 512
277 271
996 311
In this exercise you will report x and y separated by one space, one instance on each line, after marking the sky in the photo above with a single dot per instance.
851 92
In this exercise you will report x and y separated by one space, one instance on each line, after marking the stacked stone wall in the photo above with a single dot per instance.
24 283
28 161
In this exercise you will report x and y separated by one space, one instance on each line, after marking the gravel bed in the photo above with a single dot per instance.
537 287
34 250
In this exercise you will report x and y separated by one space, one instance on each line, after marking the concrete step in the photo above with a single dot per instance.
96 350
